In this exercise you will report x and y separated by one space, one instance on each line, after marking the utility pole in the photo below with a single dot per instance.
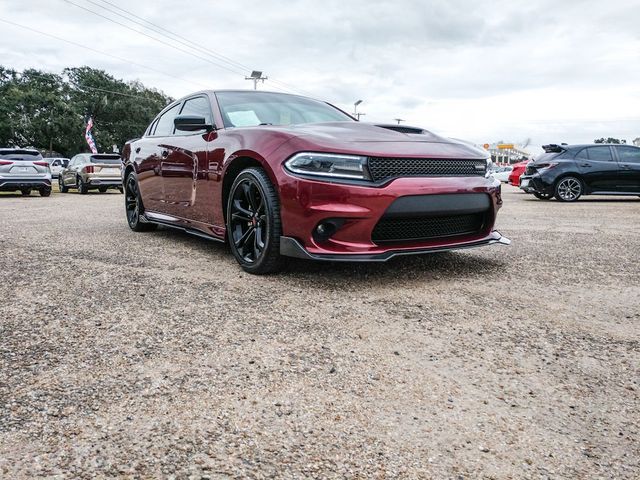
399 120
256 76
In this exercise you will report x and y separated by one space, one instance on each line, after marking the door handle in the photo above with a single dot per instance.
165 153
626 167
585 165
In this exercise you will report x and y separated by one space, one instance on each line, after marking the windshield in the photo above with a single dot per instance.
248 109
20 155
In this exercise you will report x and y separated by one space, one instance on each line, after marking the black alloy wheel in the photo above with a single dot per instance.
45 191
253 222
568 189
82 187
61 185
133 206
543 196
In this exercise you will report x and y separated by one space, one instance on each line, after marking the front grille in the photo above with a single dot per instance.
384 168
422 228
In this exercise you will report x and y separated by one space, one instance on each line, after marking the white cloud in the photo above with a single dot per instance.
482 70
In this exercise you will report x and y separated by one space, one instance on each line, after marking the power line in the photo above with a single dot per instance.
177 38
152 37
125 60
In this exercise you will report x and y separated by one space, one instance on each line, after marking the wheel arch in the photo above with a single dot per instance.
234 167
570 174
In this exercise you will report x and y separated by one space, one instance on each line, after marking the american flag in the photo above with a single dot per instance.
89 137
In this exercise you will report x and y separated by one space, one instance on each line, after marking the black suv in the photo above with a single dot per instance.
570 171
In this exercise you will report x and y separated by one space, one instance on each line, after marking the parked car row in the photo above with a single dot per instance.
25 170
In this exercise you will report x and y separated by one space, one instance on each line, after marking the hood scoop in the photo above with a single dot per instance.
402 128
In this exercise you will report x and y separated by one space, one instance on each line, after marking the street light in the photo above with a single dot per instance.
256 76
355 109
399 120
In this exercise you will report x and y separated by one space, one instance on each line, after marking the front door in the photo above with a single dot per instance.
629 164
598 168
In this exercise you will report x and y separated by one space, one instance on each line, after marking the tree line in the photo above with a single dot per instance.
49 111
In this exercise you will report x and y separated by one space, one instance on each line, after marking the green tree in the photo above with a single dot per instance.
609 140
49 111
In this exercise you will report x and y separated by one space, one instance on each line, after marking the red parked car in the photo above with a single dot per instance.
282 175
518 169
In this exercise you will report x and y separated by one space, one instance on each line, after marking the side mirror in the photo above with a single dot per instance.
191 123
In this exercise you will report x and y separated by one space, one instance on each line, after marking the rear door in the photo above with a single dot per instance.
629 164
598 168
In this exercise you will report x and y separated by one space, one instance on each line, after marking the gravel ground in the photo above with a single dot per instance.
154 355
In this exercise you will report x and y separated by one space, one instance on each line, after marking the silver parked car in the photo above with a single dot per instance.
91 171
24 170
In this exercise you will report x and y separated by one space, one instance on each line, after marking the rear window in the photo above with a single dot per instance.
545 157
106 159
20 155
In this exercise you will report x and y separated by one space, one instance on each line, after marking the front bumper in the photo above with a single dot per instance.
291 247
11 184
307 203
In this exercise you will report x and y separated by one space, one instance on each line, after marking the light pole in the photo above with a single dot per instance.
399 120
355 110
256 76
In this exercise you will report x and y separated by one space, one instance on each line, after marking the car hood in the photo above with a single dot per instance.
376 140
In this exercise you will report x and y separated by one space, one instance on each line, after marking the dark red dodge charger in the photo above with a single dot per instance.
283 175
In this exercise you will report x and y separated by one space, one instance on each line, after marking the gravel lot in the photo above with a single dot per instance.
154 355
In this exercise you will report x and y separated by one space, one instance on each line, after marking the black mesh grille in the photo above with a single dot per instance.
422 228
384 168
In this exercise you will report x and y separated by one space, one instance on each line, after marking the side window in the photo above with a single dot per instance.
152 127
198 106
628 154
600 154
56 163
164 127
582 154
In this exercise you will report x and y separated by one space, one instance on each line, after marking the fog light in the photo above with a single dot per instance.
326 229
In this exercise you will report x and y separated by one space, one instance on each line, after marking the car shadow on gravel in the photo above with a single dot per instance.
454 264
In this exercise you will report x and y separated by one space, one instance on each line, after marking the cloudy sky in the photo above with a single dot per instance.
485 71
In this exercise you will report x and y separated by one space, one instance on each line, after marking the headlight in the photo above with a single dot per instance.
329 165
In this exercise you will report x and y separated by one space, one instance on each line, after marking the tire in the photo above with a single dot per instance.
45 192
253 222
133 207
25 192
82 187
61 186
102 189
569 189
543 196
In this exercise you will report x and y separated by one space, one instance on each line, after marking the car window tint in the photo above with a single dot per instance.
197 106
600 154
165 125
582 154
629 154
